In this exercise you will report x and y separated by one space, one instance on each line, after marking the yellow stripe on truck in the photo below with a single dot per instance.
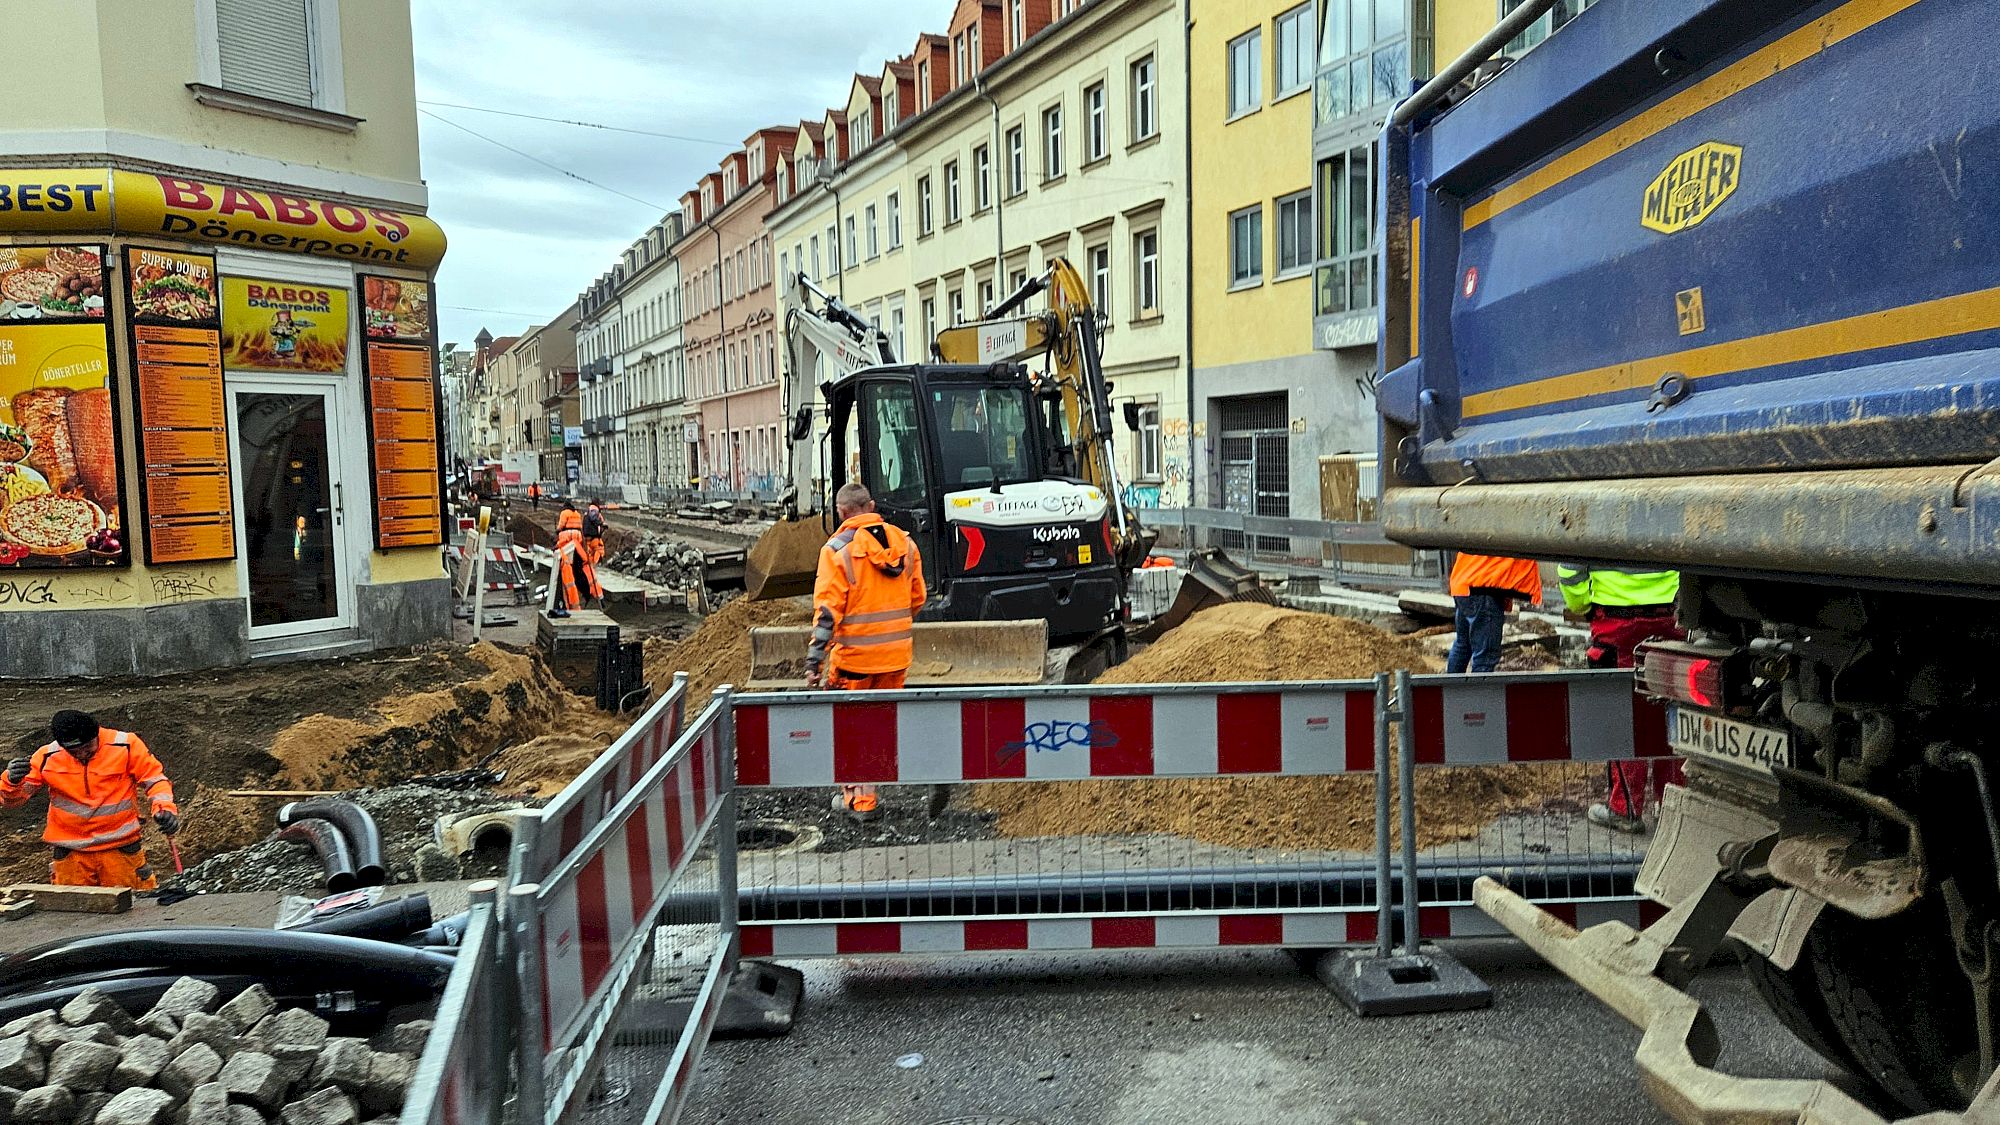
1977 311
1800 46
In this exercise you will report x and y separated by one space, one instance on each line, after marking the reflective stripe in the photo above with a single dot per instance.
877 617
877 639
87 843
88 812
846 563
148 784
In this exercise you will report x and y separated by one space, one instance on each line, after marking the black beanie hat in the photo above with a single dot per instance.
73 727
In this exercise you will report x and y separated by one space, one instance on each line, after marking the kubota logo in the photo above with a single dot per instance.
1055 534
1691 187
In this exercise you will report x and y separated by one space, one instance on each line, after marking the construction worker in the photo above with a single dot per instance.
869 587
593 533
1483 589
97 780
1625 609
573 566
535 495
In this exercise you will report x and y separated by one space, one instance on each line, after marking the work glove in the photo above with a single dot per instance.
17 771
169 822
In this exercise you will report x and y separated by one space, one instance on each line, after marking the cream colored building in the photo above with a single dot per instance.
265 150
1029 131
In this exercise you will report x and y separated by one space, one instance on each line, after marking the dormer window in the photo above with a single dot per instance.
784 183
889 114
859 133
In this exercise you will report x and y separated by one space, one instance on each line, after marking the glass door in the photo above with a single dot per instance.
293 563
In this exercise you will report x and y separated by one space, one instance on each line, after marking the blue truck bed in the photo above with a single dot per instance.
1707 282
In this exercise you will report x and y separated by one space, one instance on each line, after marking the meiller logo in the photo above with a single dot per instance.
1691 187
1056 534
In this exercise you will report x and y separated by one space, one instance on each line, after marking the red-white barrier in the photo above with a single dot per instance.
1051 734
604 896
1301 930
570 816
1539 717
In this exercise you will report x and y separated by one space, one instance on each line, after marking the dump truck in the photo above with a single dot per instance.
1715 285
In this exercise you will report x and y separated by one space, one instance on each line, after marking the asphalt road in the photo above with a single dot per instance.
1200 1039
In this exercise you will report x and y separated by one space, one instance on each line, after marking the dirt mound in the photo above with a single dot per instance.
719 652
1251 641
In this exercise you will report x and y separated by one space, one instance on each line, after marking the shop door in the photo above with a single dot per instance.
1256 468
293 564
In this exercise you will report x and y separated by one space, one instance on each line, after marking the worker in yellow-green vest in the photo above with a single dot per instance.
1625 609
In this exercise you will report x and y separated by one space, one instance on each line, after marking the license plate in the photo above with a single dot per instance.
1744 745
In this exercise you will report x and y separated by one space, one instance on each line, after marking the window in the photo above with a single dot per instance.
960 71
272 49
1246 72
1364 58
1246 246
951 204
1149 441
798 256
1017 20
1096 124
895 206
928 320
889 107
980 432
986 301
859 133
891 453
1146 263
1295 50
833 250
923 206
1052 143
1295 233
974 61
784 264
957 303
982 178
853 241
1015 280
784 183
1145 99
874 232
1554 18
1065 7
1097 260
814 242
1017 160
896 331
1344 280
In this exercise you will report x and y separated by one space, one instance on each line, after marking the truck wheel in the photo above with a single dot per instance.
1793 996
1894 991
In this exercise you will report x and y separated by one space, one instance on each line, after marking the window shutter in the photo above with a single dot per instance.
265 48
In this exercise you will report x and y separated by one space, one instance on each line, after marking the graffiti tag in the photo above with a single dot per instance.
35 592
182 587
1057 736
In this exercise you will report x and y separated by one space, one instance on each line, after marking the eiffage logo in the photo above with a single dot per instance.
1691 187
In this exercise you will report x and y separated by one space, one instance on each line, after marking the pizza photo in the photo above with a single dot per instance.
51 523
52 281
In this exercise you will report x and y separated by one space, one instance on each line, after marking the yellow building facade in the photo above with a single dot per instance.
219 412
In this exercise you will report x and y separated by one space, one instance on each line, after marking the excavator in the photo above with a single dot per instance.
997 458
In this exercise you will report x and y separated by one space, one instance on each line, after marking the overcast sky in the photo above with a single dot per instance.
526 239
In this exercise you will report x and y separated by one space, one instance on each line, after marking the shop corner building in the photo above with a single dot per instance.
219 419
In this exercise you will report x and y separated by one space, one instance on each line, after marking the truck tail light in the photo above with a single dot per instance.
1682 673
975 546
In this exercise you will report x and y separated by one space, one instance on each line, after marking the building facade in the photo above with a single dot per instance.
530 376
648 396
218 363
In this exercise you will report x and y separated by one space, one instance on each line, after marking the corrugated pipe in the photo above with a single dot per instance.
364 840
330 846
339 961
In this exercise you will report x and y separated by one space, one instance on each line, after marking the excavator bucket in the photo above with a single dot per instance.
780 564
1210 579
948 654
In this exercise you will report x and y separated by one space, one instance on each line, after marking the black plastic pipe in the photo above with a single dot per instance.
363 837
137 990
394 920
330 846
356 964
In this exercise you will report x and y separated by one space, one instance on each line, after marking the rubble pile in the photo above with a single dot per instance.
195 1058
661 561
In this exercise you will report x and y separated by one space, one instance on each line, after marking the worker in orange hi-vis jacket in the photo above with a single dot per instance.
1483 588
573 567
99 782
866 595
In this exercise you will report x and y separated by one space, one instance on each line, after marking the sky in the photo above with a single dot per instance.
526 239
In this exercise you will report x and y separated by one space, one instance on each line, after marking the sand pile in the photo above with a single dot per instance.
1251 641
719 652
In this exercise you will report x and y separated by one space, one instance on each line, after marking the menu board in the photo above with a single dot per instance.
60 486
402 430
183 415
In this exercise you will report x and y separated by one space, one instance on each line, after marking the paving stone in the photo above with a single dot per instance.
159 1025
188 995
291 1034
248 1008
88 1106
207 1105
257 1078
26 1024
409 1038
190 1068
55 1033
136 1107
94 1005
140 1061
83 1067
200 1027
326 1106
45 1105
8 1096
388 1078
244 1115
22 1064
342 1063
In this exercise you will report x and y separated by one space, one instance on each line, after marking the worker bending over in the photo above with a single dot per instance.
573 564
1483 589
1625 610
869 587
98 780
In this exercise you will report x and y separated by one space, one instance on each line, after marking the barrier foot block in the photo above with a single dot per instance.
761 1002
1403 985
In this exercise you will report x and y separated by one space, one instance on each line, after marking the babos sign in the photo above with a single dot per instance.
107 201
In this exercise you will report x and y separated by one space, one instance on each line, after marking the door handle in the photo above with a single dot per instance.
339 505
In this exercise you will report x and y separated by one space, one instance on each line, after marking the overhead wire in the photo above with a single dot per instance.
557 168
580 124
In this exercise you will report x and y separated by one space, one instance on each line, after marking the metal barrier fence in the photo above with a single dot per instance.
461 1079
600 960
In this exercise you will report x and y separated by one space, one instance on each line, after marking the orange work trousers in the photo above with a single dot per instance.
862 798
111 867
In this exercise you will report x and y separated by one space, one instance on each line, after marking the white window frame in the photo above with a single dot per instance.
1245 53
1097 122
873 224
1144 74
1052 143
1017 20
1151 451
982 178
329 75
895 215
853 240
925 215
1300 201
954 208
1017 159
1146 275
929 321
1097 264
1299 23
1246 247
